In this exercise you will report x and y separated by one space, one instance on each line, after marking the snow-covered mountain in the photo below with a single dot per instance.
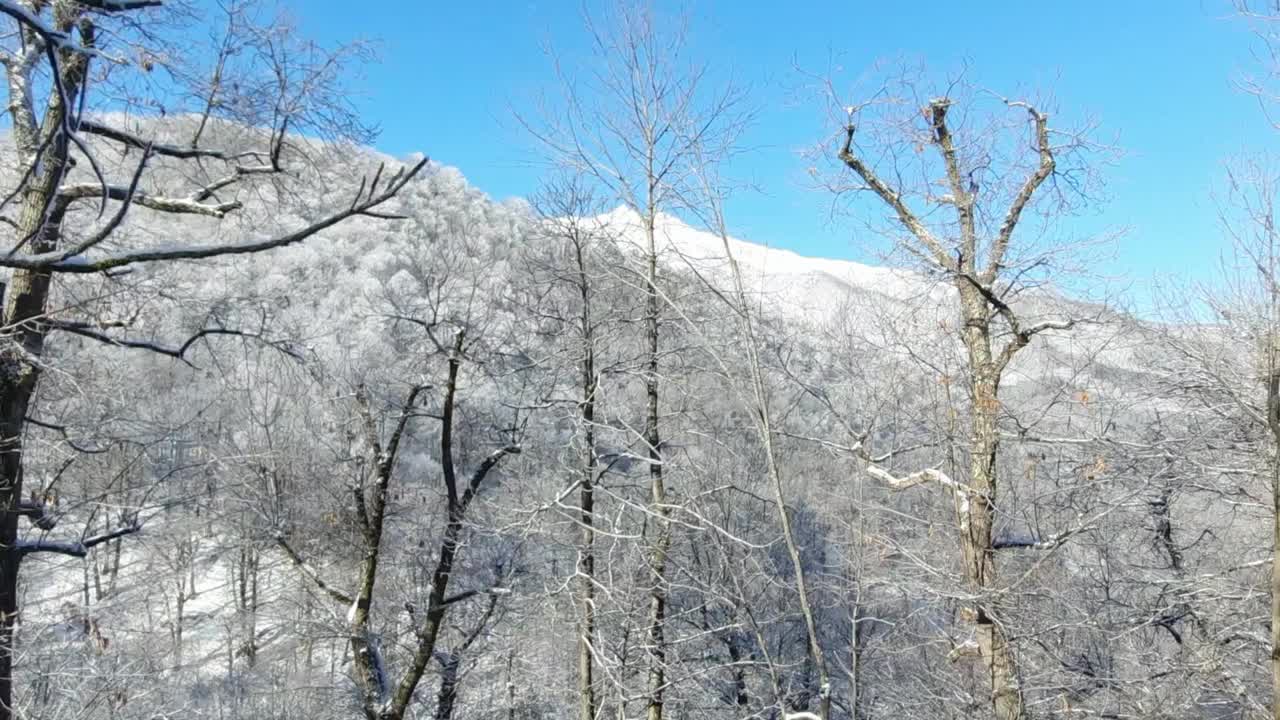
885 307
172 601
790 283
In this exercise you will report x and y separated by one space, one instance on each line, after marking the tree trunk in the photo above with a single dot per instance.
511 687
27 297
448 695
40 221
369 671
740 697
980 567
248 611
855 664
661 546
9 608
181 607
112 564
764 425
586 507
1273 419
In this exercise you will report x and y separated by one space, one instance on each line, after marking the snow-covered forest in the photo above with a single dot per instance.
292 429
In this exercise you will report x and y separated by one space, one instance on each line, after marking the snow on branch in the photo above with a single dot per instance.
159 203
367 199
959 491
917 478
74 548
468 594
968 648
178 352
311 572
37 513
61 39
38 26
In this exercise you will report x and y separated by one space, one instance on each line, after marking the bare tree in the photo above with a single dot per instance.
758 398
384 698
444 342
632 127
1221 362
1262 18
566 209
51 53
958 211
1245 314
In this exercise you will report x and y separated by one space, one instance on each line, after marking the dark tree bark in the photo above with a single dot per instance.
657 645
381 701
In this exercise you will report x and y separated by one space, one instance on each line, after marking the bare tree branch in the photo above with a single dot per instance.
94 332
74 548
187 206
894 200
311 572
366 200
1025 193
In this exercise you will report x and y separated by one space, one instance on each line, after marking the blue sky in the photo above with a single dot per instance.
1157 74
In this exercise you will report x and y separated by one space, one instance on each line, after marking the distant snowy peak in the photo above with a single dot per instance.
883 306
815 288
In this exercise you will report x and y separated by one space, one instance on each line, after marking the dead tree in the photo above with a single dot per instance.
963 235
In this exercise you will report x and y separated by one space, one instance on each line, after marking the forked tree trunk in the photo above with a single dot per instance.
956 252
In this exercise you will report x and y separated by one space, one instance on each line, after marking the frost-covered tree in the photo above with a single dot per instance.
965 188
81 168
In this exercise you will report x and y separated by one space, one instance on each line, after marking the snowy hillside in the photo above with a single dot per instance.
884 306
203 598
803 288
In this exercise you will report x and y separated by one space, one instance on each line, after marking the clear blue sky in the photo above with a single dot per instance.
1156 73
